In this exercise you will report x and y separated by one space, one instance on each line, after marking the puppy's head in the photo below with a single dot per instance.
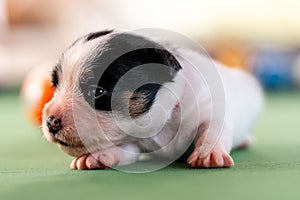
110 87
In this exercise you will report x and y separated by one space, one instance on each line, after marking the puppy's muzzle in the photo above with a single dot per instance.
54 124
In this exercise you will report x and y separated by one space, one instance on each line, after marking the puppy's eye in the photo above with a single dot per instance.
96 92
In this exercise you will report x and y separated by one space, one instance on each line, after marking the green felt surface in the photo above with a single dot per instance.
31 168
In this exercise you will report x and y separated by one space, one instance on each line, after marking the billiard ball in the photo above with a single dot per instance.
36 91
274 68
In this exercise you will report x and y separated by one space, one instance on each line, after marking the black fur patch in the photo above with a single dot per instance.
54 75
124 55
95 35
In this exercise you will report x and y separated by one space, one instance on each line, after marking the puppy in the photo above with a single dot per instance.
121 95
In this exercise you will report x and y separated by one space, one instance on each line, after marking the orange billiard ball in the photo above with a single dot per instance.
36 91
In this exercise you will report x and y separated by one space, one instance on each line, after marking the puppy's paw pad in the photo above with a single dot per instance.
217 158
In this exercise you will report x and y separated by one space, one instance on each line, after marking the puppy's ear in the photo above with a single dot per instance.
142 99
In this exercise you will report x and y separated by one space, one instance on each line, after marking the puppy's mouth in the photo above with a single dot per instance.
65 143
71 147
63 139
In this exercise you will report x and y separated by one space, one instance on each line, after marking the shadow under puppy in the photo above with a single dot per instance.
119 95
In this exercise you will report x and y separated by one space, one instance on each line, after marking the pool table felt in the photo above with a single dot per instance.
32 168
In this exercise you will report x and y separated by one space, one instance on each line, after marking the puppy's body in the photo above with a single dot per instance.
176 107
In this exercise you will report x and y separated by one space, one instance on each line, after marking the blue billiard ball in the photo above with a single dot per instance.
274 68
296 70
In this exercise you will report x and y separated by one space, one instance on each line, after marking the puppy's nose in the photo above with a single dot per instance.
53 124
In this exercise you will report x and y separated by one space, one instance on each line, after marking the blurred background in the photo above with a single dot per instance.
259 36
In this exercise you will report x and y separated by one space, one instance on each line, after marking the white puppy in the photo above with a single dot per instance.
119 95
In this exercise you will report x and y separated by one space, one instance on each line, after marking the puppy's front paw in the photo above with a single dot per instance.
95 161
217 158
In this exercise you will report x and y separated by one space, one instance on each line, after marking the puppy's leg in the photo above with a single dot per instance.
211 152
122 155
